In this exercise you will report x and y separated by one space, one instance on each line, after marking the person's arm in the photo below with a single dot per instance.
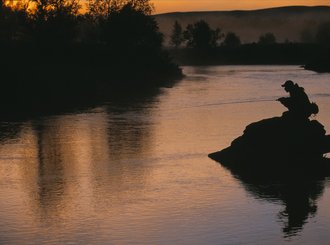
284 101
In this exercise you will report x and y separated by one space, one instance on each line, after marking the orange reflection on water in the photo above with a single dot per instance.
46 169
88 168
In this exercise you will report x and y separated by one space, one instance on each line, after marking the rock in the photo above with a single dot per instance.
278 143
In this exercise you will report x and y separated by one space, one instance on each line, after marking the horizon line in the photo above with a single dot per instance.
242 10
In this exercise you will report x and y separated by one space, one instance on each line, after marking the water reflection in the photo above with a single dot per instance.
9 131
136 170
64 166
297 194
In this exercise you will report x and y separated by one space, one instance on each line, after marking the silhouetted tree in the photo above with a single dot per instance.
323 33
267 39
100 13
13 20
55 20
200 36
232 40
133 40
143 6
177 35
127 38
131 27
103 8
5 32
99 8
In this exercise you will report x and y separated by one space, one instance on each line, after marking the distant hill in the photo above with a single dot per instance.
287 23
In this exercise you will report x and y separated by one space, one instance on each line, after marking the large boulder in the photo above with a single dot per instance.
277 143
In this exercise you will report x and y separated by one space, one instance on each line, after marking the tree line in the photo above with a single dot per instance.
200 35
126 23
119 38
121 33
200 44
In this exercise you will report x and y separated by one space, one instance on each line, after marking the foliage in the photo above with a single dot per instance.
232 40
13 20
177 35
143 6
101 9
125 45
124 23
5 13
267 39
55 20
200 35
130 28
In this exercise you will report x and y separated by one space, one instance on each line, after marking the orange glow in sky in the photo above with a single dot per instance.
163 6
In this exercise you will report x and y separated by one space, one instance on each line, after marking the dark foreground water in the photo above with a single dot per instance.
136 170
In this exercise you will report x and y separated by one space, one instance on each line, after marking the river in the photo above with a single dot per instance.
135 170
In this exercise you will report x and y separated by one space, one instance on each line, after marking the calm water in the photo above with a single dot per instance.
137 171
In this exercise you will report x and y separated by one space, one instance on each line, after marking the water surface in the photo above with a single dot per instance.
135 170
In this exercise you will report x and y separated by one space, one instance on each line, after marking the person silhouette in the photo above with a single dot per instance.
298 104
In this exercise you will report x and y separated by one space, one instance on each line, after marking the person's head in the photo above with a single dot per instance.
288 85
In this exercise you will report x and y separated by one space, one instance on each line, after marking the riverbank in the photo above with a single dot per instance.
38 75
252 54
320 65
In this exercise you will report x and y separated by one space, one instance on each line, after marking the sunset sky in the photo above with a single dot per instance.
163 6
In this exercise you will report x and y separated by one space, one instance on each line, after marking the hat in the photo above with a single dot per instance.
288 83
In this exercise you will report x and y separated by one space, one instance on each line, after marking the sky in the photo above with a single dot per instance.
163 6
